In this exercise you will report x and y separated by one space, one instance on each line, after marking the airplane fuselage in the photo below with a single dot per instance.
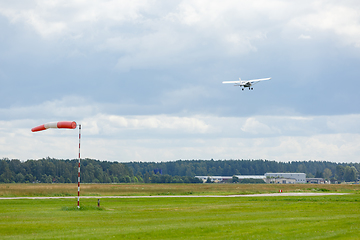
247 84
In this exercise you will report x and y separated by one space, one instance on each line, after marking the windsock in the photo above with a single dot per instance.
65 124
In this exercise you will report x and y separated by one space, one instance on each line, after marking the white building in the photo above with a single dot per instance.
299 177
281 180
229 178
214 178
240 177
315 180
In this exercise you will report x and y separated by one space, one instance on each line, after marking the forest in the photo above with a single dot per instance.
50 170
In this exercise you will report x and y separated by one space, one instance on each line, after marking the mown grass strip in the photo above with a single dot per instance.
322 217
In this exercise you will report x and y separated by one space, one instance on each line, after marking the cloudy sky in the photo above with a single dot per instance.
144 79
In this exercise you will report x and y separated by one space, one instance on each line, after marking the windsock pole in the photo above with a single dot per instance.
78 205
68 125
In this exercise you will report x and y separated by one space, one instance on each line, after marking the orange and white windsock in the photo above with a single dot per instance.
64 124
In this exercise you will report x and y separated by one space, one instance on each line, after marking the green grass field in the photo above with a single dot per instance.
320 217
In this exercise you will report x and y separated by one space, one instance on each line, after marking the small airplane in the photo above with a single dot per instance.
246 83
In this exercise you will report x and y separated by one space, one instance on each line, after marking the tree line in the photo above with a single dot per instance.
322 169
50 170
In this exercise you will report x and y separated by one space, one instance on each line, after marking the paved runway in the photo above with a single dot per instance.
188 196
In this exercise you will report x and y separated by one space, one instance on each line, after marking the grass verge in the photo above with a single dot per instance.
53 190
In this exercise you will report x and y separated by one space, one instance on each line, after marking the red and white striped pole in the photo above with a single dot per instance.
78 205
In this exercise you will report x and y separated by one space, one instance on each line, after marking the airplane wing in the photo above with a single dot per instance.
254 81
248 81
258 80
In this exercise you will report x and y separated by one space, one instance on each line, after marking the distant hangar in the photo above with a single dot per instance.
282 178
